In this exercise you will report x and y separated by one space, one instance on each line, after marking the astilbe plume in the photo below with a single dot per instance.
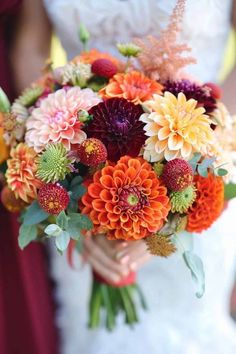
161 58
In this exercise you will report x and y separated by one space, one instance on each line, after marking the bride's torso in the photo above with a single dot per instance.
205 26
177 321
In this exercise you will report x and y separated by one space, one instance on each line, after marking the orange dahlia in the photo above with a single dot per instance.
133 86
3 146
127 200
209 203
21 171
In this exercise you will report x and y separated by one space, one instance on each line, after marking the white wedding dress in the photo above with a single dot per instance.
177 322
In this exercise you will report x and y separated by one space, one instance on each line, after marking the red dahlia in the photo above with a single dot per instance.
53 198
92 152
177 175
116 123
104 67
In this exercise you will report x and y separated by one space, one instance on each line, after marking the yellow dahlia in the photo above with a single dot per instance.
21 171
175 128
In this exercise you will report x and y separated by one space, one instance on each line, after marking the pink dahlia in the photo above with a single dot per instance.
56 120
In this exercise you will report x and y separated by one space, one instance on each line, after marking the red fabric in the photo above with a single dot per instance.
130 279
26 307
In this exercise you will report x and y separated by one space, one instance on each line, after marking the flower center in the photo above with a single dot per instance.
120 124
131 198
58 117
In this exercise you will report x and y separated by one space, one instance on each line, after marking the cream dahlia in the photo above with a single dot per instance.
175 128
56 118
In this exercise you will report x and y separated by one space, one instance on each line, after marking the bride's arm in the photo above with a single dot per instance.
229 85
30 44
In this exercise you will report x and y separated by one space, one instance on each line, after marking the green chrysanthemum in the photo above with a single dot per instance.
182 200
54 164
30 96
129 49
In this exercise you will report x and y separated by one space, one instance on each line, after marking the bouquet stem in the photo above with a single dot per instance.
112 299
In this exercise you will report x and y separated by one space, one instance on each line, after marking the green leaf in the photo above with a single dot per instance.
75 181
62 241
34 214
73 230
230 191
221 172
27 233
4 102
62 220
204 165
194 160
52 230
78 191
81 221
194 263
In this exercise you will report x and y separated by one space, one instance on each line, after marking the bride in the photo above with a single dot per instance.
177 322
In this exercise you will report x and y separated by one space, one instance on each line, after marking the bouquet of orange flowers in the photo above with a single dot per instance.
128 150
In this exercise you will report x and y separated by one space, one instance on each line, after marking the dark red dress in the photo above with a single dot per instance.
26 307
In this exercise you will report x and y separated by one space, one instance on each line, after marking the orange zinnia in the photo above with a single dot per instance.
127 200
209 203
133 86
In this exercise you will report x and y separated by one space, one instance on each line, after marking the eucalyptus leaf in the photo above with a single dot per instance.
4 102
34 214
194 160
27 233
221 172
62 220
73 230
204 165
52 230
230 191
78 191
194 263
75 181
62 241
81 221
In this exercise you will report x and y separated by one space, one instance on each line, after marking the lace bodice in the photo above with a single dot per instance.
177 322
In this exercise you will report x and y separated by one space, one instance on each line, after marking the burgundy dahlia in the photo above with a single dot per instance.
203 94
116 123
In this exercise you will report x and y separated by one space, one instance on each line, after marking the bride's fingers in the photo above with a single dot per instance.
101 269
97 252
133 250
138 262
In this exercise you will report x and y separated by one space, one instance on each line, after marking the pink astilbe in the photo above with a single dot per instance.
161 58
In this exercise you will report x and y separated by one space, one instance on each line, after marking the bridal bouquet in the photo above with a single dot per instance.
129 150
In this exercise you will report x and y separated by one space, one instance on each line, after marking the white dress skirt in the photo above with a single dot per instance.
177 322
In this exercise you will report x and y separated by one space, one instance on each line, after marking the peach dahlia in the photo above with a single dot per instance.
56 119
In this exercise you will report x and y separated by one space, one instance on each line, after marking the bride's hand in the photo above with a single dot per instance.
115 259
101 254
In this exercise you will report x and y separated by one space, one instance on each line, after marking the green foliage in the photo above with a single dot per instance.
27 233
194 263
4 102
62 220
202 167
221 172
194 160
81 221
84 35
34 214
230 191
